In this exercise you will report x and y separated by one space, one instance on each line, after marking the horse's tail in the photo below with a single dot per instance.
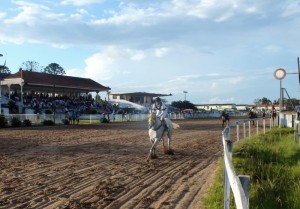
175 125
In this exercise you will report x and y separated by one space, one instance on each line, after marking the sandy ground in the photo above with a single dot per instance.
103 166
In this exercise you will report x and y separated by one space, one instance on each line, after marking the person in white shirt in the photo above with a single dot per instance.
161 110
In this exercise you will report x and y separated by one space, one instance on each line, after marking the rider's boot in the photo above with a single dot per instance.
166 127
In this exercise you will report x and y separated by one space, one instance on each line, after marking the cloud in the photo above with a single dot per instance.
80 2
272 48
292 8
2 15
98 67
102 66
130 25
29 13
130 14
160 52
236 80
218 100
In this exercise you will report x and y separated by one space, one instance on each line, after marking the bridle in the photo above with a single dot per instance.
152 120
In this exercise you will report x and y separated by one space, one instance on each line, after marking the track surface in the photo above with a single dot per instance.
103 166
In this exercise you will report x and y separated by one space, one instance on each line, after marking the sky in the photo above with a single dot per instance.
217 51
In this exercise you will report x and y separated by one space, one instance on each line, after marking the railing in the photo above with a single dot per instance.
92 118
231 179
239 184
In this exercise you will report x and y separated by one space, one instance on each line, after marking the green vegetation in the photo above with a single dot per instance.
104 120
3 121
183 105
48 123
273 162
15 122
27 123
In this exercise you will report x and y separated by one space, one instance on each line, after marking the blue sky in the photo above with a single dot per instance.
218 51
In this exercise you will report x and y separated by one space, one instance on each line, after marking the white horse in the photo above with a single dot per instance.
157 132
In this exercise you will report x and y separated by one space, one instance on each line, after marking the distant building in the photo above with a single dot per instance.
270 106
216 107
221 107
140 98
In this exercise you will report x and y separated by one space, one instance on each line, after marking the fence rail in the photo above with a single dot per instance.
239 184
58 117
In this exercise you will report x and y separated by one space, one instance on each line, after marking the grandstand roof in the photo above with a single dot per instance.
44 80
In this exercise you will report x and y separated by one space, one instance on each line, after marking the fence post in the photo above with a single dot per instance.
257 127
245 182
299 133
226 135
237 131
295 129
249 128
244 127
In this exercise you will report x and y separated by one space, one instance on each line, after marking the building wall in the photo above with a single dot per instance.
218 107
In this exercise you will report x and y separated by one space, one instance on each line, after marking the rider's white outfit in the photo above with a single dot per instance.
160 109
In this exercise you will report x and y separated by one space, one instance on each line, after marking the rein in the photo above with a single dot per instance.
153 127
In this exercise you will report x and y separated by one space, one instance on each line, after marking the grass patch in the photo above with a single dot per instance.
273 162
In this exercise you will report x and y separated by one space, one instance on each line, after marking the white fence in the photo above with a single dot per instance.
240 185
58 117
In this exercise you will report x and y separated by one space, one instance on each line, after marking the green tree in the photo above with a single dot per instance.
4 69
265 100
54 69
183 105
32 66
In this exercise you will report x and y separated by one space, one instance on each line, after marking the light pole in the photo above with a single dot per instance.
185 92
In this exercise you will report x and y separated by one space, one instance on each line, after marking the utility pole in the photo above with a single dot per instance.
185 92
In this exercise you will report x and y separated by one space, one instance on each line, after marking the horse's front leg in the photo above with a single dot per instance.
152 152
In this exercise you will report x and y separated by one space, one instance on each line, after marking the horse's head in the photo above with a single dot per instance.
152 120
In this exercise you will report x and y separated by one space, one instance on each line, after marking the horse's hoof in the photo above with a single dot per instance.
169 152
153 157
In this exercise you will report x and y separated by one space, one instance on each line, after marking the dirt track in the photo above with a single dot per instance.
103 166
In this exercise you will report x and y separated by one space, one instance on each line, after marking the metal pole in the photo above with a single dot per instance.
280 100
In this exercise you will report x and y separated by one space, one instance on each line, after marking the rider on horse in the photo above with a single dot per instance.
161 111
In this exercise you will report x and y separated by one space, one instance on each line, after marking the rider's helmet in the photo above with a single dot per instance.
158 100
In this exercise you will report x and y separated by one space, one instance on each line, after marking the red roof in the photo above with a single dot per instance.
45 79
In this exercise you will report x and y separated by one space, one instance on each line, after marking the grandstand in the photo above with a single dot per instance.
31 90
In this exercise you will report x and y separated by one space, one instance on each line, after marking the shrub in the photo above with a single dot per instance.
37 111
3 121
93 112
48 123
27 123
16 122
48 112
104 120
65 121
